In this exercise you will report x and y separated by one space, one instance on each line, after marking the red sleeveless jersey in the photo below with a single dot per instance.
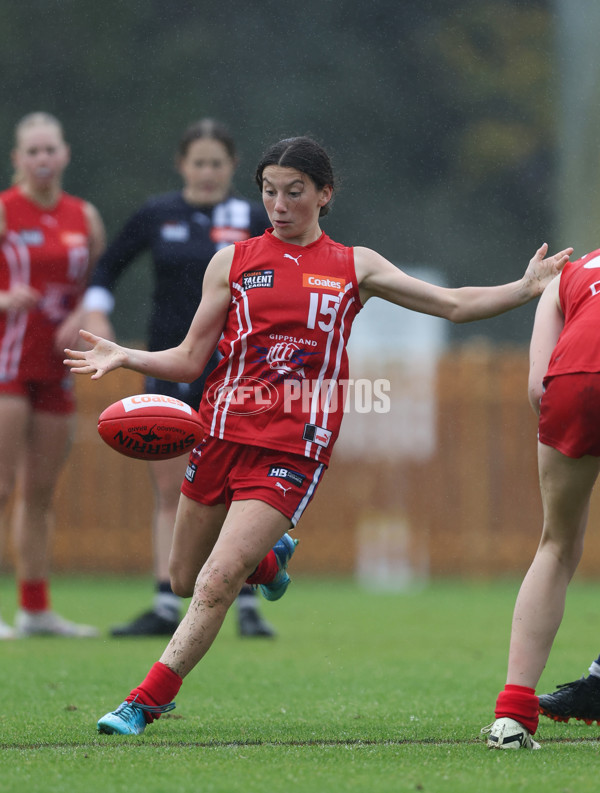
578 346
281 382
49 250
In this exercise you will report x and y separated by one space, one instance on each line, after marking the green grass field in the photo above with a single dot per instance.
360 692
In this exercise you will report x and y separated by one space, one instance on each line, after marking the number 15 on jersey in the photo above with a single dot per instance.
322 305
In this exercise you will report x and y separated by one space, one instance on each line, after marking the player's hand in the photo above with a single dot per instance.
103 357
20 297
541 271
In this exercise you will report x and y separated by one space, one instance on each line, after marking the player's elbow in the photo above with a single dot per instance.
454 308
185 366
535 396
456 314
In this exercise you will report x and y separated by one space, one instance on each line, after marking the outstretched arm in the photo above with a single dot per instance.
183 363
379 278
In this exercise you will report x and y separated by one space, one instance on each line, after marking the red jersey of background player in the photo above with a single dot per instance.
47 249
281 382
578 346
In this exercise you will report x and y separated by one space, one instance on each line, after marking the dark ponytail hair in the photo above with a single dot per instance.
206 128
304 155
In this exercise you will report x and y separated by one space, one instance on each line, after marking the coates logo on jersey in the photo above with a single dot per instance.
329 282
73 239
244 395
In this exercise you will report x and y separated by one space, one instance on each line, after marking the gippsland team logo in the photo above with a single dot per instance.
285 359
243 395
281 356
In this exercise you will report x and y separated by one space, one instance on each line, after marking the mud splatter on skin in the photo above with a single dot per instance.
214 593
250 530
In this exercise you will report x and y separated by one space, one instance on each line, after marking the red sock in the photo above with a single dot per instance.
266 570
521 704
160 687
34 595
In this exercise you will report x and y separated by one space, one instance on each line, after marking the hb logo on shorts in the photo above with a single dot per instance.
281 472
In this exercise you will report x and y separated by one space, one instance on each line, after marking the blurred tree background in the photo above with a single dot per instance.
440 115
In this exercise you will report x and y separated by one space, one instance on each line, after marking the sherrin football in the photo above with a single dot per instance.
150 427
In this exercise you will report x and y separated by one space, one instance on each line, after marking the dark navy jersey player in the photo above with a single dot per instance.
182 230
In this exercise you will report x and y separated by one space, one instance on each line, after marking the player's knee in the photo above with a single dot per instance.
218 584
182 580
565 548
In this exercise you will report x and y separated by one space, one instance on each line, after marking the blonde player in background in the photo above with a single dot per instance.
49 242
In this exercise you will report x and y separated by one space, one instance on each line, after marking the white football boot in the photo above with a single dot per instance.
6 632
47 623
509 734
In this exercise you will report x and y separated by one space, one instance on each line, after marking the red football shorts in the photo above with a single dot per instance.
570 414
220 472
54 397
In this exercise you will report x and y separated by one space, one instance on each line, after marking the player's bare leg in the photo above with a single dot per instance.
13 429
164 616
566 485
250 530
242 546
46 448
46 445
197 529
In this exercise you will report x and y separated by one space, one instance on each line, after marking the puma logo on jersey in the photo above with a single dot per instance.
285 489
293 258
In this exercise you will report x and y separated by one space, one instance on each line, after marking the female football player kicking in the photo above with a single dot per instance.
250 479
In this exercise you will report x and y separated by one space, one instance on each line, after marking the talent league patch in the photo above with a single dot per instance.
32 237
281 472
257 278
